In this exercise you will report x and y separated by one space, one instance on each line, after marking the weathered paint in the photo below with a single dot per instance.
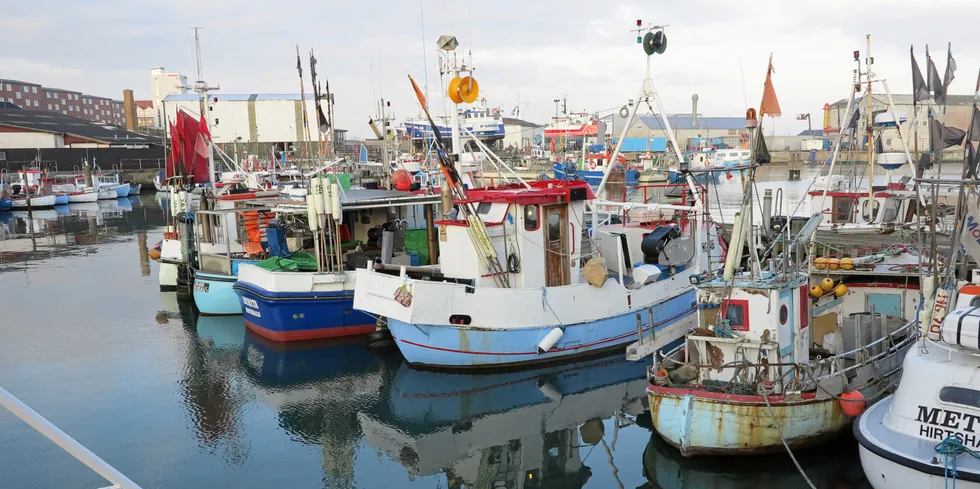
702 426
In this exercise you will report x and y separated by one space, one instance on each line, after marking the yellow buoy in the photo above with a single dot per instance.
847 263
154 255
453 90
816 291
833 263
469 89
826 284
820 263
840 290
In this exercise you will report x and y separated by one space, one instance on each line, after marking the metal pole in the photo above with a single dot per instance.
67 443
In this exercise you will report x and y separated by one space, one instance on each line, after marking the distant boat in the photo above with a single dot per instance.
83 195
135 189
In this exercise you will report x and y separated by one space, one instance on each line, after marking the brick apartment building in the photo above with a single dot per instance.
32 96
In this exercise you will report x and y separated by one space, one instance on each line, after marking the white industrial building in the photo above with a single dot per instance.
249 118
163 84
957 113
521 135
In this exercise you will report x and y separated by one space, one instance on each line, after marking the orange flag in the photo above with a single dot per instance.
770 104
419 94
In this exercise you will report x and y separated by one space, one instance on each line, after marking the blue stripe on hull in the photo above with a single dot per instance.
220 298
594 177
293 316
462 347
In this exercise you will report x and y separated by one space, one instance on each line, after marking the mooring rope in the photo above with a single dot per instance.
951 448
779 430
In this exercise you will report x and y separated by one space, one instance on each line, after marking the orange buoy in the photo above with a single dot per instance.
827 284
453 90
820 263
469 89
833 263
402 180
847 263
840 290
816 291
154 254
852 403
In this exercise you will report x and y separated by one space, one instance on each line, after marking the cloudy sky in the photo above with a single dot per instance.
527 53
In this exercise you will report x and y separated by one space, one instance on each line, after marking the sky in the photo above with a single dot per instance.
526 53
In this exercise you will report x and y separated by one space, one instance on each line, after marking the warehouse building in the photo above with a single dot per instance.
35 129
957 114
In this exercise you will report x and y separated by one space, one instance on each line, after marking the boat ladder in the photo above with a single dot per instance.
67 443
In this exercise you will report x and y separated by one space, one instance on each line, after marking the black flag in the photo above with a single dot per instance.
944 137
971 161
761 152
934 83
919 89
853 122
950 73
324 126
975 124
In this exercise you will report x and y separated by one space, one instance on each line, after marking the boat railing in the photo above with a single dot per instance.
67 443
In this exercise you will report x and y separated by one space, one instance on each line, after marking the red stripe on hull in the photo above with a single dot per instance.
721 396
311 334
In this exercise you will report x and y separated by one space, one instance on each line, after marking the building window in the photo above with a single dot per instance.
17 95
49 106
36 104
26 90
76 96
8 87
34 89
57 107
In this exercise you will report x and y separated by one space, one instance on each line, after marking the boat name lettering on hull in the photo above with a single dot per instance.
250 302
938 424
253 312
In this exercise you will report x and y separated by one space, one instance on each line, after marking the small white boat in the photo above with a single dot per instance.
20 201
83 195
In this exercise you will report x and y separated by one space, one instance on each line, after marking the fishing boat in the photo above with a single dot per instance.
516 286
749 379
19 201
485 123
112 183
925 435
73 193
134 189
297 295
226 239
592 167
159 182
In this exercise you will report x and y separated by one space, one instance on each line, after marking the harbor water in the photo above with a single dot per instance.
173 399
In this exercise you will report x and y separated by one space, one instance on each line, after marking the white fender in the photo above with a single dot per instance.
549 340
338 214
316 190
311 212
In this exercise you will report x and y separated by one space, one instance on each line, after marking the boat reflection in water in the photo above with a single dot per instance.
829 466
520 429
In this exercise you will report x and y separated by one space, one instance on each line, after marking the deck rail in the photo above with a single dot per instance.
67 443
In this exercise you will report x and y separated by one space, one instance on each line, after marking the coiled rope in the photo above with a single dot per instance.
951 448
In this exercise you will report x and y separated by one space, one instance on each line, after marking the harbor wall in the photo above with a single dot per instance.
67 160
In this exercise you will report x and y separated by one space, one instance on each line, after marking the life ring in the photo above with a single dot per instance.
592 164
624 112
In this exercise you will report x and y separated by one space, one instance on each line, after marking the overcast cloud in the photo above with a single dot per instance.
531 51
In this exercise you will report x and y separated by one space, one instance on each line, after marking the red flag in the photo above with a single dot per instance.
418 94
204 128
769 105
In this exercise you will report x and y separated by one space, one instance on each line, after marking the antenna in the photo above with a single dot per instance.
200 86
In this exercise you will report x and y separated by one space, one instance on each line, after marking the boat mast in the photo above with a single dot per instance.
302 96
869 119
202 89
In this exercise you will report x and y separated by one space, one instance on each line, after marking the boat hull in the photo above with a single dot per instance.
61 199
593 177
697 422
106 193
214 295
86 196
122 190
297 316
41 201
6 204
461 347
896 460
135 189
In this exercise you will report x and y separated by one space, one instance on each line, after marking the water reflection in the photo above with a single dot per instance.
830 466
72 229
521 429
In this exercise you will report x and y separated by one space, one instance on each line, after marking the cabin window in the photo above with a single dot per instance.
483 208
531 218
783 314
554 227
975 302
737 313
960 395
